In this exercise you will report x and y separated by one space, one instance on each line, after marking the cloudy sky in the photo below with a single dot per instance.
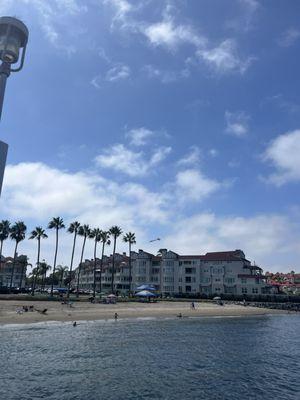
173 119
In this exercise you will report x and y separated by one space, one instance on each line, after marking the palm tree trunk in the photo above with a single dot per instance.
1 246
22 274
94 285
13 266
54 263
113 266
37 267
71 265
62 278
101 264
130 275
79 266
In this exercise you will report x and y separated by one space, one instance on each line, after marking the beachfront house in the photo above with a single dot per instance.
215 273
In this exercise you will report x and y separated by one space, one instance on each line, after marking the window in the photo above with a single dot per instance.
217 280
187 262
170 263
257 281
254 290
244 280
155 263
188 279
244 290
155 271
188 289
230 280
205 280
142 263
168 279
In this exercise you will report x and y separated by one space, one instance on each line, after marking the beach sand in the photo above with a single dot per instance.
86 311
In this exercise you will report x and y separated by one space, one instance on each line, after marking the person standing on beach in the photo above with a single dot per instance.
116 316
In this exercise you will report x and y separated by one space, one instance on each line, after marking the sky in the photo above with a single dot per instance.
177 120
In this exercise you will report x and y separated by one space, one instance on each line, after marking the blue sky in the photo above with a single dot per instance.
173 119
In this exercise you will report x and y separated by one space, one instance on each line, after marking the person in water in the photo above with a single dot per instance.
116 316
74 323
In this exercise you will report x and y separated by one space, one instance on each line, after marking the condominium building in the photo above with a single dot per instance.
227 272
19 271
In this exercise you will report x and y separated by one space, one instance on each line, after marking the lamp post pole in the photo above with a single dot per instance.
4 74
13 42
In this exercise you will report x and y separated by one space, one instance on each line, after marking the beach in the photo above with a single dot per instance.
78 311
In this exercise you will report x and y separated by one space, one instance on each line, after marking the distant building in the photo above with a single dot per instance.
6 267
215 273
288 283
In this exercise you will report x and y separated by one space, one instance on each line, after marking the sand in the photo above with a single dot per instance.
86 311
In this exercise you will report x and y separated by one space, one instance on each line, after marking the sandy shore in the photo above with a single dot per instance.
86 311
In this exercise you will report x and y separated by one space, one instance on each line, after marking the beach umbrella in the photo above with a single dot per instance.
146 287
145 293
111 296
217 298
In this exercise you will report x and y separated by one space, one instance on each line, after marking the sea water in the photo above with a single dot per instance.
201 358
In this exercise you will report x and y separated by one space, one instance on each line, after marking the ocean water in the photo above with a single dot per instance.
205 358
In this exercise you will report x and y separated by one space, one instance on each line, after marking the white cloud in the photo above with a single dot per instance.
53 18
289 37
192 185
192 158
139 136
224 58
165 76
237 123
117 72
283 152
35 192
166 33
267 239
134 164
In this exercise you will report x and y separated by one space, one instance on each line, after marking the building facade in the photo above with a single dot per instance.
19 271
214 273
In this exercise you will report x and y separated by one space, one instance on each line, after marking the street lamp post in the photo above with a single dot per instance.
13 42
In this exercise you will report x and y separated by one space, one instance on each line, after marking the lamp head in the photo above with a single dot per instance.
13 38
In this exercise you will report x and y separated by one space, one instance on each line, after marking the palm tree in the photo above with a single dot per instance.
73 228
85 232
61 271
43 269
17 233
130 239
115 231
56 223
96 235
38 233
4 233
23 260
105 241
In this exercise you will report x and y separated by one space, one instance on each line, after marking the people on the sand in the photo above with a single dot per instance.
192 305
179 315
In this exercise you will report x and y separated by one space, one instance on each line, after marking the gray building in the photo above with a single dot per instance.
214 273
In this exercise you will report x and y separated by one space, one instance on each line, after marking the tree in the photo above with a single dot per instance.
104 238
115 232
56 223
23 260
83 231
73 228
4 233
38 233
43 269
61 272
96 235
130 239
17 233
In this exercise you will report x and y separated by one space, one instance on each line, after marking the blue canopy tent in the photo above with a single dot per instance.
145 293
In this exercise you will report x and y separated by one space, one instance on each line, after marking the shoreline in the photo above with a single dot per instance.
56 312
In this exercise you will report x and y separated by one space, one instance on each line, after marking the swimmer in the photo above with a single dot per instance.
74 323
